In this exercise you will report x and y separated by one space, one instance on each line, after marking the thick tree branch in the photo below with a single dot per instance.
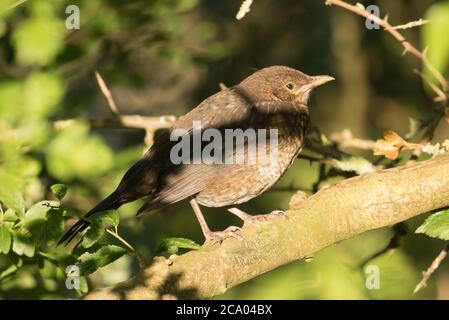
333 214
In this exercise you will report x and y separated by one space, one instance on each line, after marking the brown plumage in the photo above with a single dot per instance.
271 98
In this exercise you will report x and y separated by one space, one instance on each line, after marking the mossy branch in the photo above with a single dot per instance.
331 215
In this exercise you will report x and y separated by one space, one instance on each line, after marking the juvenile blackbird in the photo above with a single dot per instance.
273 99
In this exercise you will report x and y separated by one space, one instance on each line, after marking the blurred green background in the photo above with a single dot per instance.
163 57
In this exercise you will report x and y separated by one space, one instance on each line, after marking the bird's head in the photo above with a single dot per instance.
281 83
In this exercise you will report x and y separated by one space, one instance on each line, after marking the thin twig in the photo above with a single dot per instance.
408 47
244 9
412 24
16 4
123 121
441 96
107 93
116 235
433 267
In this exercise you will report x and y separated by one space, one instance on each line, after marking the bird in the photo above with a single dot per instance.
268 108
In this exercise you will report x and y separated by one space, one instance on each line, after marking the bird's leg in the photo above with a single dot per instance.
249 219
211 235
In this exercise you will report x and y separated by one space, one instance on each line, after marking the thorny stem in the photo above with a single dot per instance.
433 267
408 47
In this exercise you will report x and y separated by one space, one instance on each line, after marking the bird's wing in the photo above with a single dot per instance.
225 109
221 112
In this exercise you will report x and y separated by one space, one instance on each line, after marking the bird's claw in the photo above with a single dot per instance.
230 232
276 214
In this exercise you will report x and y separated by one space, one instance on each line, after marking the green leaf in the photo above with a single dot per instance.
11 192
73 153
11 101
62 259
436 226
54 227
37 41
5 239
59 190
111 217
15 263
36 217
433 35
22 244
10 216
90 262
47 269
42 92
172 245
84 286
94 233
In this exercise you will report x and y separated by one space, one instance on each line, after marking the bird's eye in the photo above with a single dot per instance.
290 86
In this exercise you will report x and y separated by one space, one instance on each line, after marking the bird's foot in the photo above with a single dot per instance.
230 232
249 219
276 214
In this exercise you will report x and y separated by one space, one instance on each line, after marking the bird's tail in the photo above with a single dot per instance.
111 202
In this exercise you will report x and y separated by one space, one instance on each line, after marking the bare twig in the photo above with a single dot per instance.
222 86
107 93
244 9
124 121
408 47
149 124
16 4
433 267
116 235
411 24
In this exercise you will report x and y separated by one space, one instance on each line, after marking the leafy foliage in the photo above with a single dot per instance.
438 54
90 262
172 245
436 226
59 190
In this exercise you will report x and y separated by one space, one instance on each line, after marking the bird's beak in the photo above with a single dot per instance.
317 81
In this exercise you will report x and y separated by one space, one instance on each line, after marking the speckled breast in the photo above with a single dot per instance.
237 183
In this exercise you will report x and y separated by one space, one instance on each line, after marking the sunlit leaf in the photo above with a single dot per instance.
42 92
172 245
436 226
433 35
59 190
11 100
15 262
36 217
93 233
11 191
54 227
37 41
90 262
10 216
5 239
76 154
22 244
63 259
109 217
